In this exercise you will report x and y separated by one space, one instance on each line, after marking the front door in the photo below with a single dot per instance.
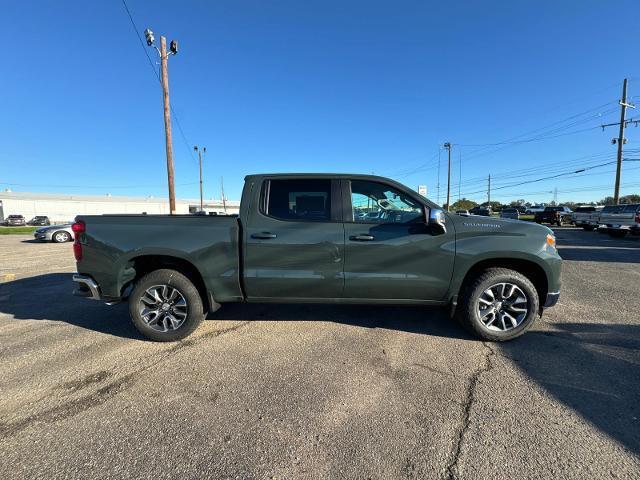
390 252
294 241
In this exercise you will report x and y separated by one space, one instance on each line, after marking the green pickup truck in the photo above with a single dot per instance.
319 238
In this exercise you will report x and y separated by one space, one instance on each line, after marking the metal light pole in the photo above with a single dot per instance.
447 145
204 150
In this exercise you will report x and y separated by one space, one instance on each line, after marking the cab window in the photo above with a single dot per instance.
373 202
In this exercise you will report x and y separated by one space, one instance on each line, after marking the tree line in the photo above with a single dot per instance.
466 204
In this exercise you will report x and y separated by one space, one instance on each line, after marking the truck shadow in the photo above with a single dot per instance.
49 297
420 320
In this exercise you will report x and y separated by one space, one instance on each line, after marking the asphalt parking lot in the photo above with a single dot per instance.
298 391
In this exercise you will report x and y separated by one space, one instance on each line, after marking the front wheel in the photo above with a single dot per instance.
165 306
499 304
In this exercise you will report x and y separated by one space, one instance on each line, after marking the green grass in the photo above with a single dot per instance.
22 230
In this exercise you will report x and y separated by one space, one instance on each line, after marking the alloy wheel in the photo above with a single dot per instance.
163 308
502 307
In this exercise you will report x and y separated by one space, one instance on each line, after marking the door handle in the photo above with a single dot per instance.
263 235
362 237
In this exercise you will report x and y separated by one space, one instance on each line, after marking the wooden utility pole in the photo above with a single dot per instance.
167 123
623 112
447 145
489 191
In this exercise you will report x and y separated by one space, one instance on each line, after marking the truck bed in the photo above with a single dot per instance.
112 244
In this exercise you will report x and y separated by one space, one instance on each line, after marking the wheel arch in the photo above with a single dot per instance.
530 269
147 263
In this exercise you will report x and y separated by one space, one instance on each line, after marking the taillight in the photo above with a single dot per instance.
78 229
637 219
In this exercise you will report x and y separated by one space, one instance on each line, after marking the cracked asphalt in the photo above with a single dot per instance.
317 391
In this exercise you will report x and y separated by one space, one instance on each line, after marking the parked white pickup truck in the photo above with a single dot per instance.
584 217
621 219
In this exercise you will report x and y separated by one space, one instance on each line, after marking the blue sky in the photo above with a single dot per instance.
345 86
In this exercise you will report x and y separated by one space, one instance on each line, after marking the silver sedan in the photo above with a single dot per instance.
54 233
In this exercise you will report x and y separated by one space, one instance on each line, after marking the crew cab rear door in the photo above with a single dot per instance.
294 240
390 251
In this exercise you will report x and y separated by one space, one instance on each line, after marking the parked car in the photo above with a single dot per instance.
297 240
463 212
622 219
39 220
54 233
554 215
482 211
512 213
532 210
584 216
15 221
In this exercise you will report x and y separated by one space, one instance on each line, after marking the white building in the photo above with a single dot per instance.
61 208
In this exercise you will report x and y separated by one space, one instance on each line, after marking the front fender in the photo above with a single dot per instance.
504 246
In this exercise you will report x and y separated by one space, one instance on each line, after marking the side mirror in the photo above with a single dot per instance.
437 220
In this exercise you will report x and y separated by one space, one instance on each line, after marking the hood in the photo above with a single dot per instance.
475 225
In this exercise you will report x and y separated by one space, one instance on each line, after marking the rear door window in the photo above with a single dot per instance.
298 199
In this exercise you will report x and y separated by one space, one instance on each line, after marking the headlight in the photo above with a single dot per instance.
551 240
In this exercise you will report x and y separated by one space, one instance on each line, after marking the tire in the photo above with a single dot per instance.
156 290
60 237
587 228
617 233
470 316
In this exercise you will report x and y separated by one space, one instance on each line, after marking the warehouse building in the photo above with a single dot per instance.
61 208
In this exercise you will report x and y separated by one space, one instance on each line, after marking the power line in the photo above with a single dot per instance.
157 74
550 167
546 178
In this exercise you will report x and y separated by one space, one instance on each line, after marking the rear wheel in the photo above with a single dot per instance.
617 233
165 306
61 236
499 304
